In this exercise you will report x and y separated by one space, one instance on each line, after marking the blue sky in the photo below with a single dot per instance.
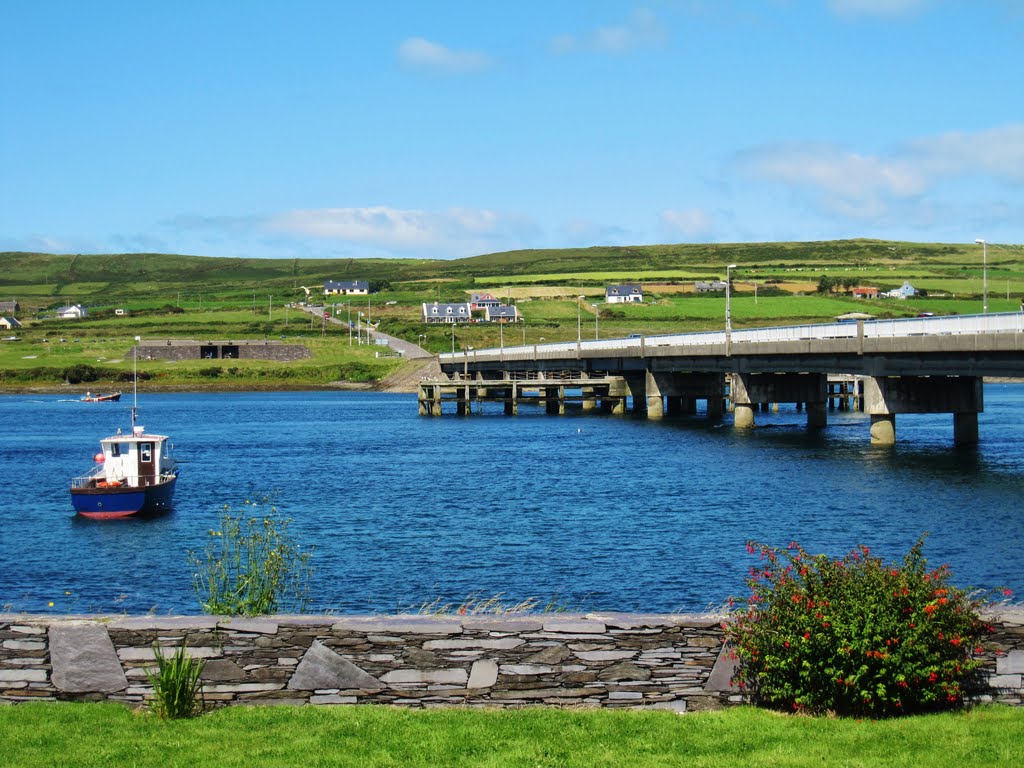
449 129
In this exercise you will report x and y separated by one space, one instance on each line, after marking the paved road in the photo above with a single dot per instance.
407 349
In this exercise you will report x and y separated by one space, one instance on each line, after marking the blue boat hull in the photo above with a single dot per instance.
104 503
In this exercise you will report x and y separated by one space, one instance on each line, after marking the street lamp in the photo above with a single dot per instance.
579 318
728 299
453 338
359 338
984 275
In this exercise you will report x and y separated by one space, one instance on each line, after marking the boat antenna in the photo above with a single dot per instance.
135 379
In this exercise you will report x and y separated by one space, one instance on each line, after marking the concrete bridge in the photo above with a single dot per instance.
917 365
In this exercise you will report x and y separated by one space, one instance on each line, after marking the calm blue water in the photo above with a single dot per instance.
607 513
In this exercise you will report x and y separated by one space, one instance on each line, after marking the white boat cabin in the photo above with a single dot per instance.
137 459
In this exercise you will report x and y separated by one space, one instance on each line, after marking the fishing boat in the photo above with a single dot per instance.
135 474
89 397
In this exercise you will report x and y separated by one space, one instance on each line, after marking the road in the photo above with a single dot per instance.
405 348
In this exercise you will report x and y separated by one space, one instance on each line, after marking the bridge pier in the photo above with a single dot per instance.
614 399
589 399
884 397
676 394
654 400
750 391
554 401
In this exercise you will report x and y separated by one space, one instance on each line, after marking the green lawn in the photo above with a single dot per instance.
104 735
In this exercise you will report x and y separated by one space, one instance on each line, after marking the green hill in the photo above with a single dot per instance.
119 277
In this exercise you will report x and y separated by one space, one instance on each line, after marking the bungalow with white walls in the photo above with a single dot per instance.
623 294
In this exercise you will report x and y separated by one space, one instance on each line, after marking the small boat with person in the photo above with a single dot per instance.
135 474
89 397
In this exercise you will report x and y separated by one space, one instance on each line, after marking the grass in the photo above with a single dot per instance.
231 298
85 735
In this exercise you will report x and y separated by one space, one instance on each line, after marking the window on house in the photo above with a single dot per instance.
145 452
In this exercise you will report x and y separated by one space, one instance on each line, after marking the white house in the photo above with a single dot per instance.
905 291
447 313
74 312
623 294
9 323
346 287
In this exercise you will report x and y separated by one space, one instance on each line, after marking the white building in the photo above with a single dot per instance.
623 294
74 312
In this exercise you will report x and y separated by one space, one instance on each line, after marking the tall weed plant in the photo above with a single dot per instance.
854 635
252 565
177 685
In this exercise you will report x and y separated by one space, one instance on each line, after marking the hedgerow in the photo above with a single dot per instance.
854 635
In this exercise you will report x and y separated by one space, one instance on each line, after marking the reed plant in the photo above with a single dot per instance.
476 603
177 686
252 565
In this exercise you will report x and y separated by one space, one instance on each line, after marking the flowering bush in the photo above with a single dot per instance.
251 566
854 635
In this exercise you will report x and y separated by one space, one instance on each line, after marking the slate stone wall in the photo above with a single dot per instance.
600 660
247 349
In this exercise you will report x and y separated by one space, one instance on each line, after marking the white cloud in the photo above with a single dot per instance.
871 186
888 8
998 152
846 182
641 29
418 53
382 229
689 222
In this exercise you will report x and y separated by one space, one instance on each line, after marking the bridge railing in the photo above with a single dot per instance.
1001 322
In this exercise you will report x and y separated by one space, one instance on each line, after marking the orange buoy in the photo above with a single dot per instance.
98 458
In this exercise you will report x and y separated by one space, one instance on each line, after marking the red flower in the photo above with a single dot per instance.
807 635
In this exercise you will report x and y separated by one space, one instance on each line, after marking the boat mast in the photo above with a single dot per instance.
135 379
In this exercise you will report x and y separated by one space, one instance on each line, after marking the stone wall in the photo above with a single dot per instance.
601 660
176 349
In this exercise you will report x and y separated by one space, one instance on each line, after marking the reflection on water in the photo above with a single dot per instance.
616 513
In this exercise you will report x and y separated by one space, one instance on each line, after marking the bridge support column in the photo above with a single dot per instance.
716 407
654 401
435 401
960 395
883 429
554 401
589 400
965 429
743 416
752 391
512 403
817 415
614 399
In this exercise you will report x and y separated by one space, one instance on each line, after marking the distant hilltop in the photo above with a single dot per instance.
184 271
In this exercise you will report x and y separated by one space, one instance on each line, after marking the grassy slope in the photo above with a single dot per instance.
124 273
84 735
227 297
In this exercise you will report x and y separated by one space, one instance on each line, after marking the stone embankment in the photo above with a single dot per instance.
678 663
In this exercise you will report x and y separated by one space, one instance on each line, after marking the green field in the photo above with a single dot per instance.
191 297
56 735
